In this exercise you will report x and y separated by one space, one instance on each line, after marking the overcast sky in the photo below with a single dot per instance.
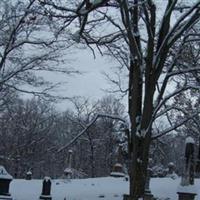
91 84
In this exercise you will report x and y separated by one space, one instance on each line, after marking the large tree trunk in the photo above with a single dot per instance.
138 168
140 136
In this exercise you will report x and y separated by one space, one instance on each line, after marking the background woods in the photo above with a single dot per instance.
32 132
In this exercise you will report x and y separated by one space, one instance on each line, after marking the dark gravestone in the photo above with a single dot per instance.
186 190
5 180
189 158
28 175
198 160
46 189
185 196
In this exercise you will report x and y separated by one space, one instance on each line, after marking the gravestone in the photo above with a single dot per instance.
198 161
5 180
117 171
148 195
189 162
46 189
171 168
171 171
68 171
28 175
187 190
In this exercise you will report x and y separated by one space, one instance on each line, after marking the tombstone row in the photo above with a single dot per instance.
6 178
187 178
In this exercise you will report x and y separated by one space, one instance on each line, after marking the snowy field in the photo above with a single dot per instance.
107 188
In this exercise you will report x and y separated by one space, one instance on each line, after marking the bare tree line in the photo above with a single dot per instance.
160 58
32 133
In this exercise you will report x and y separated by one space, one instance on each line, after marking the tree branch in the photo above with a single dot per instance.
88 126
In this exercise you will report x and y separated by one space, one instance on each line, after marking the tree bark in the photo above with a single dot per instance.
138 168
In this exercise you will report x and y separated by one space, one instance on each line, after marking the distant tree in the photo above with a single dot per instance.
110 131
8 96
94 136
84 111
26 132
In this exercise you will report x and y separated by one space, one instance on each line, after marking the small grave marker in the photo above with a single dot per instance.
198 160
28 175
5 179
68 171
46 189
187 190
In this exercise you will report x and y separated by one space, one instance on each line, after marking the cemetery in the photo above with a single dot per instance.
99 99
115 187
91 189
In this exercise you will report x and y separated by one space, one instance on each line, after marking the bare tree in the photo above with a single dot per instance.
28 47
84 111
133 27
97 137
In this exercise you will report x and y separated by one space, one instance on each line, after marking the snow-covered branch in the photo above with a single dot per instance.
167 97
169 108
184 71
174 127
185 22
87 127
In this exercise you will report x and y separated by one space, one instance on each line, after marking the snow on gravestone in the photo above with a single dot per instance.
46 189
28 175
68 171
187 190
117 171
5 179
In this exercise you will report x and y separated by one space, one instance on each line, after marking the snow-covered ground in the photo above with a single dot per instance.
107 188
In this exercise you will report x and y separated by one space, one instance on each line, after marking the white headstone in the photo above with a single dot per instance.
4 174
189 140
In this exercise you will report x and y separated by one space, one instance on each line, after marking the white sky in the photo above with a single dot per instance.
91 83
